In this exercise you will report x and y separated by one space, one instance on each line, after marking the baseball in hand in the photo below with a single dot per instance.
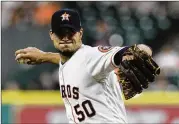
21 60
145 48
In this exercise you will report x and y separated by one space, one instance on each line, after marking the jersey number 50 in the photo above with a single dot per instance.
88 109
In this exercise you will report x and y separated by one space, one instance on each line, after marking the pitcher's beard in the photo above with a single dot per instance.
66 53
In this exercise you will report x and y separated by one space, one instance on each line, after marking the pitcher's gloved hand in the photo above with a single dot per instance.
136 71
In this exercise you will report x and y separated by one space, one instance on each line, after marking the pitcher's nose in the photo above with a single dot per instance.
65 38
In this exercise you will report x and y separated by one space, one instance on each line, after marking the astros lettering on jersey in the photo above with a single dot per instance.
89 86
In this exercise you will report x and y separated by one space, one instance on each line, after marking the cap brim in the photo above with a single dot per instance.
66 26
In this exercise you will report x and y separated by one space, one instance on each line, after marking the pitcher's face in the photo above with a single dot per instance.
67 40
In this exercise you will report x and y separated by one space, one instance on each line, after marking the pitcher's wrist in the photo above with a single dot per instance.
51 57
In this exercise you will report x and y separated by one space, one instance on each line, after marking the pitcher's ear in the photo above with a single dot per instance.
81 32
51 34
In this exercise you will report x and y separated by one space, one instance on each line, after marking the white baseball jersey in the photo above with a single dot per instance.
89 87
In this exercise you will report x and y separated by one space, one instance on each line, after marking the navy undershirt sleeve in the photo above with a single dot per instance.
118 56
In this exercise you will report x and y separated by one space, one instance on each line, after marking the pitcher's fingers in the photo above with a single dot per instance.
32 63
19 56
30 48
25 50
20 51
27 61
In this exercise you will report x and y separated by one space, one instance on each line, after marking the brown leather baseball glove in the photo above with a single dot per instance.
136 74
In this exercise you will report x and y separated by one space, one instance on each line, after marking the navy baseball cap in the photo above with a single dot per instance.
65 18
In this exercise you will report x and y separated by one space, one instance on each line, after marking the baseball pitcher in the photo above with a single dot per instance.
93 80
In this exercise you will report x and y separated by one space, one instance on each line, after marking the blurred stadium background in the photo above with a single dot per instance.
30 94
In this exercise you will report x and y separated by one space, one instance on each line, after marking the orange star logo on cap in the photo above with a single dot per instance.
65 16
